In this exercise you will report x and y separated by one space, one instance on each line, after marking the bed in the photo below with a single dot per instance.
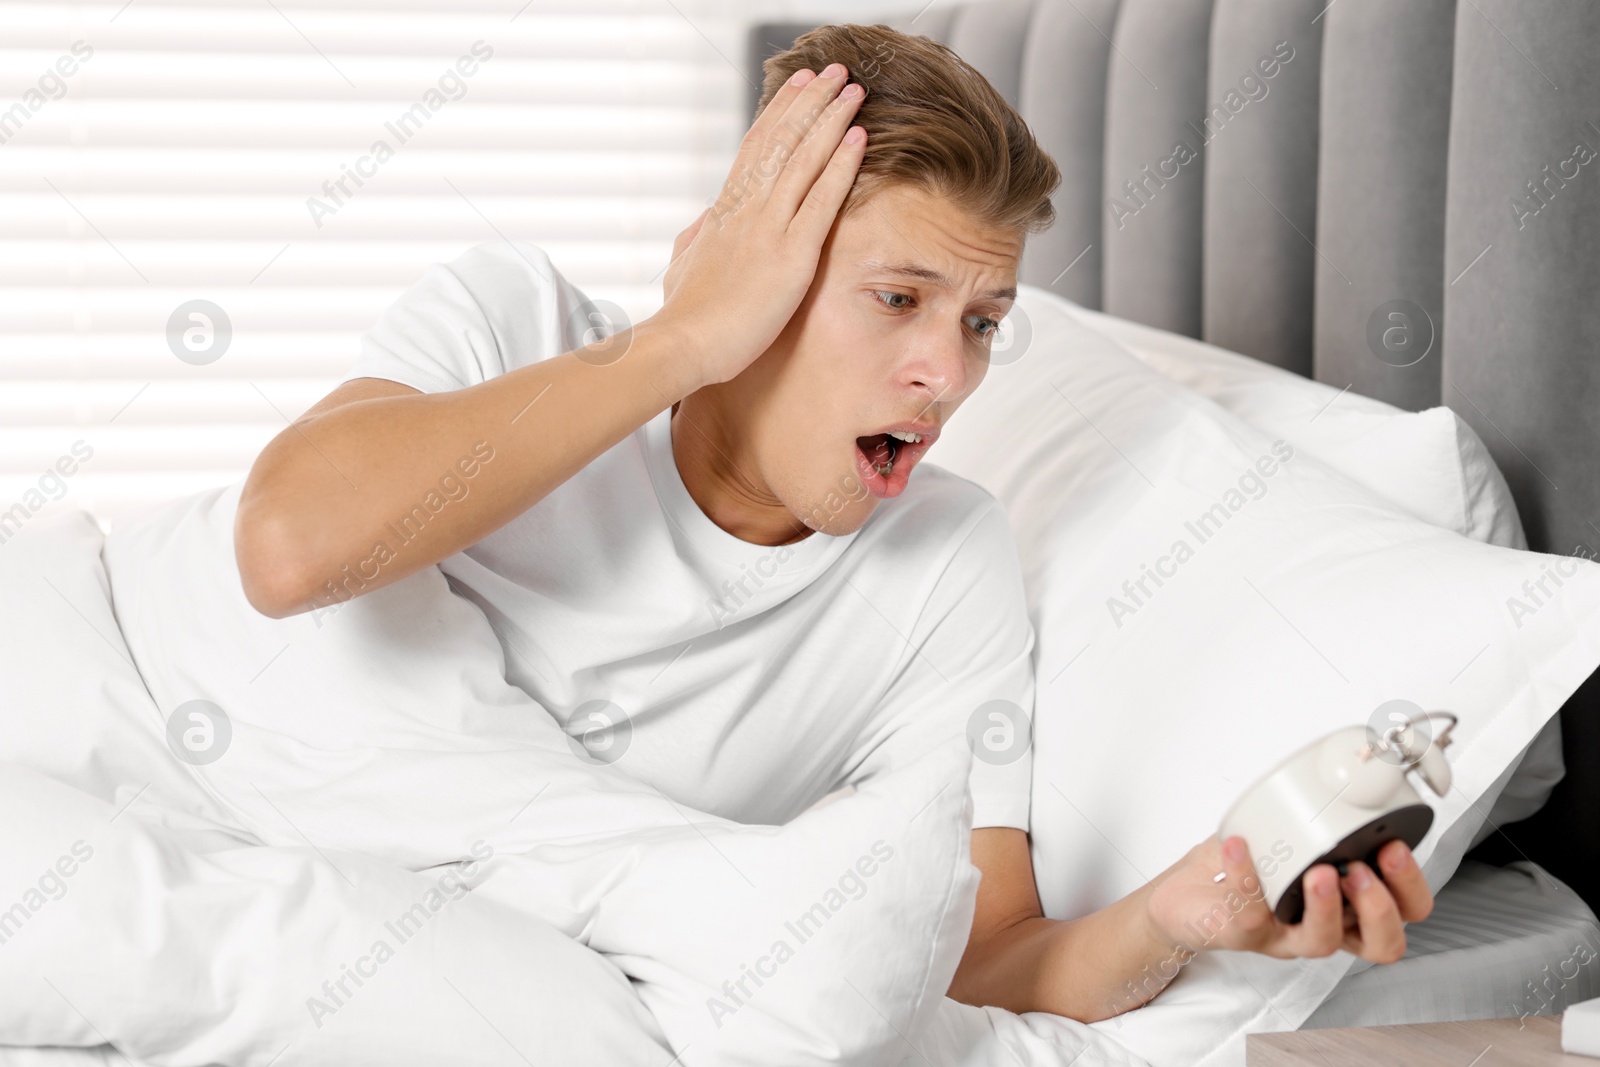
1502 942
1221 255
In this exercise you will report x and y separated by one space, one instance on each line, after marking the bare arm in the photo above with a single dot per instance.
1021 961
324 492
1118 958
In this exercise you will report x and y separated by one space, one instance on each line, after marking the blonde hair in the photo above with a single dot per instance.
932 122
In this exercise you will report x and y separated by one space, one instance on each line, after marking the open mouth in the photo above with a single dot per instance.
884 460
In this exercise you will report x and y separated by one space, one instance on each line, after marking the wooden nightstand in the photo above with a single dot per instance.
1531 1042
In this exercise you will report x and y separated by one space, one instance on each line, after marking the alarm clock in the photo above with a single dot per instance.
1340 799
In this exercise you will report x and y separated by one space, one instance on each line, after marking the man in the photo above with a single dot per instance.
706 525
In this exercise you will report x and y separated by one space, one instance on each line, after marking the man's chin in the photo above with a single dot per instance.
834 514
829 516
842 527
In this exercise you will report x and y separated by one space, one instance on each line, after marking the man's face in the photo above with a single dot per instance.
870 351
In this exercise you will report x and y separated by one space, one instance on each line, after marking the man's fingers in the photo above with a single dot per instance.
771 145
819 148
1405 881
806 109
763 126
1383 935
1320 930
749 172
820 208
784 123
1254 920
1238 871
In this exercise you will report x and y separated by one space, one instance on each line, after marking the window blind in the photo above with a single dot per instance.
204 204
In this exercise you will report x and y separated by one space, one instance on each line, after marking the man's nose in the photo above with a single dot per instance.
939 364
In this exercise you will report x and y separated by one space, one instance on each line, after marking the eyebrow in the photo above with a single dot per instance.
928 274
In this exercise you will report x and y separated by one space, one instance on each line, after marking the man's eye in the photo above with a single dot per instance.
983 327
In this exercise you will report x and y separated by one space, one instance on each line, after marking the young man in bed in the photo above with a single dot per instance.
734 477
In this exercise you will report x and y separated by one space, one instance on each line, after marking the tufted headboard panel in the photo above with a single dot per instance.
1401 198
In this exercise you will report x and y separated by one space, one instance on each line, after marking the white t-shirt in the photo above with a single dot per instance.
746 680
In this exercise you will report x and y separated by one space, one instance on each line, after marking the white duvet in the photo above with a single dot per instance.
380 852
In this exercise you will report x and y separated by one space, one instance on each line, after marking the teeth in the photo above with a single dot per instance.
896 439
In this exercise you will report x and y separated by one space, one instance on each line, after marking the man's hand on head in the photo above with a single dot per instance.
741 269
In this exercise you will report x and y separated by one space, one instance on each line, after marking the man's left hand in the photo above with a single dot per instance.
1366 919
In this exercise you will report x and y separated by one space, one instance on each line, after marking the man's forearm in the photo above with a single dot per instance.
1091 968
332 487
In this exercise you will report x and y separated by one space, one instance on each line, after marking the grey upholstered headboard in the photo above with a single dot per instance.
1280 177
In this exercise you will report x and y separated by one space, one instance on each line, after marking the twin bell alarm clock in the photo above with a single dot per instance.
1341 798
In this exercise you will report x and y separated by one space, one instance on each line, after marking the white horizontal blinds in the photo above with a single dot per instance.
175 163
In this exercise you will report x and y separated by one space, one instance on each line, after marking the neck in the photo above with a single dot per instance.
721 476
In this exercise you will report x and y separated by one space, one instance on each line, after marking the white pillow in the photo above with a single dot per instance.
830 939
1430 464
1307 603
